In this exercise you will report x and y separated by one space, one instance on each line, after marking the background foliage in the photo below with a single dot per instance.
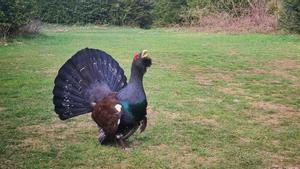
15 13
123 12
291 15
143 13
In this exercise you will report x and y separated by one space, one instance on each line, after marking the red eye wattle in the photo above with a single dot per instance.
136 56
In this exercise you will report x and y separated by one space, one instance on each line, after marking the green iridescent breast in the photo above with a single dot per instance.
137 110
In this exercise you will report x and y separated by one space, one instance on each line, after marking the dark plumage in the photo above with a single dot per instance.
92 81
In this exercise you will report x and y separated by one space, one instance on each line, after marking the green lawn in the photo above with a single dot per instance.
215 101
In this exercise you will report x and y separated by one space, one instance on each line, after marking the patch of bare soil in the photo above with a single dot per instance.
49 72
208 161
232 90
244 140
173 115
209 79
2 109
8 163
275 142
207 76
168 66
281 68
123 164
272 106
284 167
42 135
183 157
284 64
151 115
235 89
233 52
202 80
261 72
61 30
205 121
192 100
278 73
35 144
281 73
281 161
278 112
159 147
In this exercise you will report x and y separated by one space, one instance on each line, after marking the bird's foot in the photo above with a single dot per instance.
119 136
121 142
126 149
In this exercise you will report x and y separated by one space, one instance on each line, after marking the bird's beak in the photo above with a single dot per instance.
146 59
144 53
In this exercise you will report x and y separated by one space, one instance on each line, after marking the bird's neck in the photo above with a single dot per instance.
136 76
133 97
135 85
134 91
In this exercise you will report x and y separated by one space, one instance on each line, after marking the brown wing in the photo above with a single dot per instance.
106 115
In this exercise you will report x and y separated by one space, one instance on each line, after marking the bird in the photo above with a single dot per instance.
92 81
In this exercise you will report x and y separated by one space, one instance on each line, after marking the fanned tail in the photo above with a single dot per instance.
85 79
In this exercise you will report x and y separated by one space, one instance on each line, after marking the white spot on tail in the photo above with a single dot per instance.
118 107
82 69
118 121
93 104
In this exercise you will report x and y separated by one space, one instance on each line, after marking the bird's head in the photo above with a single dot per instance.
141 61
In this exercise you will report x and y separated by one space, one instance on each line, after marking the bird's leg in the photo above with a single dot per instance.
101 136
121 141
143 124
130 132
120 138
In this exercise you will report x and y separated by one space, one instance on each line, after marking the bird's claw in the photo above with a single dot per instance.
122 143
119 136
126 149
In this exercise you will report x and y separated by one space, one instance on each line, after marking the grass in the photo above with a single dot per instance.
215 100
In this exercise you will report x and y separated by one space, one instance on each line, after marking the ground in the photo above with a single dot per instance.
215 100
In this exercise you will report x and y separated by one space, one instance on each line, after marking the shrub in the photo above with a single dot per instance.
290 18
131 12
255 18
168 11
34 26
121 12
14 14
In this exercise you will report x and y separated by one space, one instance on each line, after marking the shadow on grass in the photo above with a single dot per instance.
24 37
31 36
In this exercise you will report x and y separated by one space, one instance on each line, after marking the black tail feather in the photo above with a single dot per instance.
86 78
